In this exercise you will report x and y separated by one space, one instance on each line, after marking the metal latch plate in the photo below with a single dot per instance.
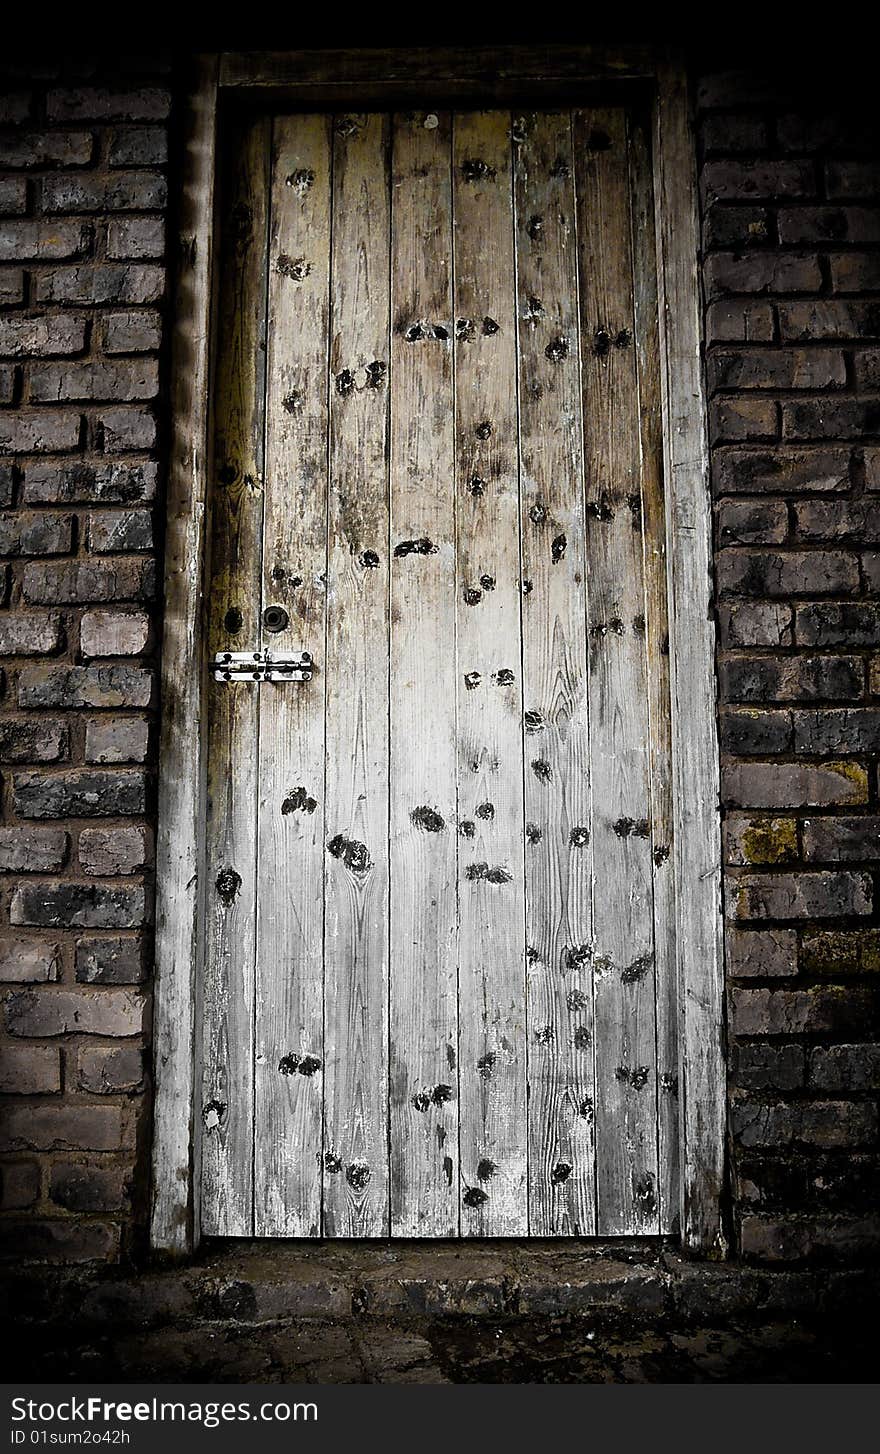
263 666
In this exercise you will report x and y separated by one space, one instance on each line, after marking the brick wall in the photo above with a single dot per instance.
791 225
82 200
791 210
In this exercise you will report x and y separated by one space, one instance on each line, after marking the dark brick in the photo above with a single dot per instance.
844 1067
11 287
803 132
27 633
29 961
781 470
19 1185
761 953
806 1123
37 337
791 679
732 418
740 180
45 242
117 739
852 179
97 104
841 840
133 332
36 534
842 729
772 573
793 785
42 1013
34 740
46 149
759 840
83 582
769 1066
756 623
114 851
122 379
791 368
86 484
110 1070
110 961
27 1070
733 132
65 1241
855 272
127 427
846 520
867 366
855 623
741 320
841 951
32 850
136 237
115 192
39 431
120 530
13 196
751 730
101 283
138 146
761 272
79 906
85 793
736 226
829 1009
61 1128
828 318
831 418
801 895
85 686
82 1188
752 522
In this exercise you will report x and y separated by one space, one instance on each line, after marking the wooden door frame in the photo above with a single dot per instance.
347 78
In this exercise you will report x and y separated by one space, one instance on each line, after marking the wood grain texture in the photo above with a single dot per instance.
623 925
700 990
289 1037
227 1102
647 344
457 69
424 909
177 988
492 1029
356 668
558 845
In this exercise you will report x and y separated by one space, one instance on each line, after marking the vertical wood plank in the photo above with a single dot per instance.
289 1048
356 666
692 663
177 989
558 848
492 1030
228 1047
657 643
623 959
423 1011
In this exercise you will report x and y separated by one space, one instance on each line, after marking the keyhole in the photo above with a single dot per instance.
275 619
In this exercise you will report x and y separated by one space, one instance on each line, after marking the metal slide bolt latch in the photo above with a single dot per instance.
263 666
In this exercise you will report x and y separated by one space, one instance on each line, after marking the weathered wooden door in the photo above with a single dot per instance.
438 987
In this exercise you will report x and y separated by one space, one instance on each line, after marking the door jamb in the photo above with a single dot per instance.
175 1219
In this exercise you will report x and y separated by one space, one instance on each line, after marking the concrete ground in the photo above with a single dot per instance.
443 1313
